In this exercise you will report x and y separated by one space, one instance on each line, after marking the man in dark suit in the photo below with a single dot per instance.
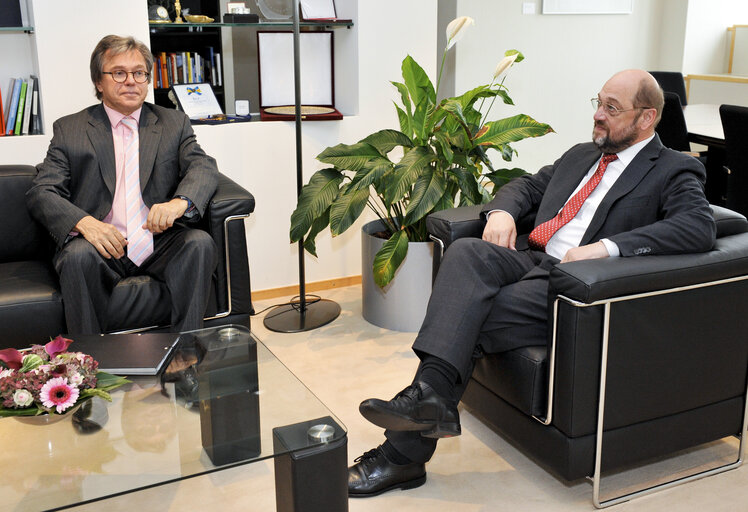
118 180
621 195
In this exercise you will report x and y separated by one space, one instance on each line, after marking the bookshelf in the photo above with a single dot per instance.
17 53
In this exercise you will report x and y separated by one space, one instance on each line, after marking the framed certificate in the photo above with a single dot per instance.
197 100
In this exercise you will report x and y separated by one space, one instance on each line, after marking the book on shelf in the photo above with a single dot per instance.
27 109
172 68
21 105
2 114
36 113
13 106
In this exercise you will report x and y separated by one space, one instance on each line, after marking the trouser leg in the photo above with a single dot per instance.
472 273
184 259
86 282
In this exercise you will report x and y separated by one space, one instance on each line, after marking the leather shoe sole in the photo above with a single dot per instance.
378 413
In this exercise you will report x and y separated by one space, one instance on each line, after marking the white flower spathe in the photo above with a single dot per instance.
504 65
456 29
22 398
6 373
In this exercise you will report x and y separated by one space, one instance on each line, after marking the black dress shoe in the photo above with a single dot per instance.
374 474
416 408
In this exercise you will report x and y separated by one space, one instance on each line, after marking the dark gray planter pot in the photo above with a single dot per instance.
401 305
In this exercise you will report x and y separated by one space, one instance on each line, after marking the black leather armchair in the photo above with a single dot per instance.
645 356
31 308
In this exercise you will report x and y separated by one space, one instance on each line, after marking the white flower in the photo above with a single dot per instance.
22 398
504 64
80 356
76 379
6 373
456 29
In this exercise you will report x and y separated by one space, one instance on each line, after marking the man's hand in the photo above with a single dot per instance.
104 237
586 252
500 230
162 215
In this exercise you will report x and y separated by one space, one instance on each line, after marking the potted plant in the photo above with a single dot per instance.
442 162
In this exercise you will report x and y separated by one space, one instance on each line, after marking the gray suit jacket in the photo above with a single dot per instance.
657 206
77 177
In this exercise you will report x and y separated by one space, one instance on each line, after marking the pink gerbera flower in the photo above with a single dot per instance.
59 394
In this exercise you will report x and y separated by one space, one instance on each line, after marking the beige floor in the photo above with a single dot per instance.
349 360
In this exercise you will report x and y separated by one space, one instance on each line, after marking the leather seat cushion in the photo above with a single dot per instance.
518 376
30 304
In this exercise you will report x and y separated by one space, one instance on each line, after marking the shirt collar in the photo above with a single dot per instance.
628 154
115 117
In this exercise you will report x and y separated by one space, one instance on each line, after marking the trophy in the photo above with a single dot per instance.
178 9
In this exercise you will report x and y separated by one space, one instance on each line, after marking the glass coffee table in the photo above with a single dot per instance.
225 400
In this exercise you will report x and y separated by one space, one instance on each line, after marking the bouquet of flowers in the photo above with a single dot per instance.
47 379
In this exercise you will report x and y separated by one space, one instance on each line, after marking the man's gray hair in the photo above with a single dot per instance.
117 45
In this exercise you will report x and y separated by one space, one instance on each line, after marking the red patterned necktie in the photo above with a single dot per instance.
139 240
540 236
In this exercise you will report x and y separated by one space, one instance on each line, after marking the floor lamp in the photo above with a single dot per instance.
300 316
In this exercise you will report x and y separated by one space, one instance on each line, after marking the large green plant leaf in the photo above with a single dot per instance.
346 209
469 188
427 191
386 140
417 81
511 129
320 223
389 258
371 173
316 196
406 172
352 157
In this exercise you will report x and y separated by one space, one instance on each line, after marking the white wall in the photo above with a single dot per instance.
706 42
568 58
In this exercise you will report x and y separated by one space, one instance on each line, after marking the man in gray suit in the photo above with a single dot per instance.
118 182
621 195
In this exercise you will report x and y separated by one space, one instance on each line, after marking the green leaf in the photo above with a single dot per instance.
441 142
318 225
427 191
386 140
404 119
501 177
107 382
511 129
346 209
406 172
316 196
469 191
389 258
404 96
371 173
352 157
417 81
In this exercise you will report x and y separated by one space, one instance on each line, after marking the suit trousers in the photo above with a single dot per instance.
183 258
485 299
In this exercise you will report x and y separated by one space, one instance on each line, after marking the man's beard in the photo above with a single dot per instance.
607 144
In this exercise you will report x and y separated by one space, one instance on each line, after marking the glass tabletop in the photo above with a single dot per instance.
223 401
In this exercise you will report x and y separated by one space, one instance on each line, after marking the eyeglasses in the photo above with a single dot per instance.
612 110
120 76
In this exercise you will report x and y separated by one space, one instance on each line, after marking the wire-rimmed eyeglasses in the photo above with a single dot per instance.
612 110
120 76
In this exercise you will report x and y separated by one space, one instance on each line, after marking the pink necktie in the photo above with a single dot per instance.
139 240
540 236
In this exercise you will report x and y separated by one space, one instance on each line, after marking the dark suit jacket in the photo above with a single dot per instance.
657 206
77 177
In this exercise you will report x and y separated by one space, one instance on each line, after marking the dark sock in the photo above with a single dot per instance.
440 375
394 456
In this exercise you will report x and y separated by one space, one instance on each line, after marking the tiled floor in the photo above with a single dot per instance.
349 360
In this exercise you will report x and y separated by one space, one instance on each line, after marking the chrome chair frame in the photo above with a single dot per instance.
597 477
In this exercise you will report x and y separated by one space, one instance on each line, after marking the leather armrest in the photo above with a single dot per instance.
449 225
230 199
593 280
